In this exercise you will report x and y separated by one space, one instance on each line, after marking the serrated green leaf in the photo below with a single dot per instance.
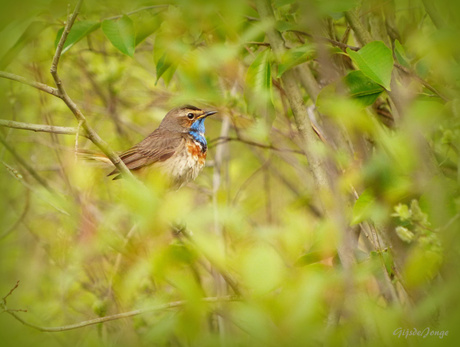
375 60
362 88
362 207
294 57
78 31
121 34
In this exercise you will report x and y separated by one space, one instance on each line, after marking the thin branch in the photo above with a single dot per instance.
224 139
421 80
24 163
162 307
230 281
92 135
266 44
10 292
41 128
23 213
220 169
326 39
40 86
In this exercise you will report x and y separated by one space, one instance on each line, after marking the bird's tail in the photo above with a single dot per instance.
92 156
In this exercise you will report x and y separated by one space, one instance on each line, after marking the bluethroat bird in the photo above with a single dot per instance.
177 147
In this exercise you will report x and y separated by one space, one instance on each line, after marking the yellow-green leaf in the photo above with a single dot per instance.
121 34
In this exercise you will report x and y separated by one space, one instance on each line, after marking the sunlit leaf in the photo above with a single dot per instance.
375 60
145 26
421 266
363 207
315 256
120 32
405 234
262 269
259 75
30 33
78 31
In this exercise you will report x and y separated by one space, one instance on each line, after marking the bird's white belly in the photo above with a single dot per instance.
184 166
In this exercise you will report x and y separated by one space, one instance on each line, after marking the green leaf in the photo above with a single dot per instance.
283 26
403 212
164 64
362 88
363 207
400 54
375 60
294 57
121 34
315 256
29 34
78 31
405 234
144 27
259 75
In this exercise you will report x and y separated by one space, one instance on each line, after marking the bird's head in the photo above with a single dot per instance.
185 119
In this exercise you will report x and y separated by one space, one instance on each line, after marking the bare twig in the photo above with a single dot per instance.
326 39
220 168
92 135
266 44
162 307
62 94
40 86
41 128
224 139
21 216
10 292
421 80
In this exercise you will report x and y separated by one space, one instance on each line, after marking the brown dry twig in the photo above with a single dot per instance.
99 320
9 293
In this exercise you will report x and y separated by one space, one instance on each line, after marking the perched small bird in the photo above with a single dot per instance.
177 147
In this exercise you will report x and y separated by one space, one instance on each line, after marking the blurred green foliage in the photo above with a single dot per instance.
84 246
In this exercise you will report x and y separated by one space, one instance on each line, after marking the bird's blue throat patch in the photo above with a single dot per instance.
197 131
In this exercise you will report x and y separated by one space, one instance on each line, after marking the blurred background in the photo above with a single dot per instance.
328 210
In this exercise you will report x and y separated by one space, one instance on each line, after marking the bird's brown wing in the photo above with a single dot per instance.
158 146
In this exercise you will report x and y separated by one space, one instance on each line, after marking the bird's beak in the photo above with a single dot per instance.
208 113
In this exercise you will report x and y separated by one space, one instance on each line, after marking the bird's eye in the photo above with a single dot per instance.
190 116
